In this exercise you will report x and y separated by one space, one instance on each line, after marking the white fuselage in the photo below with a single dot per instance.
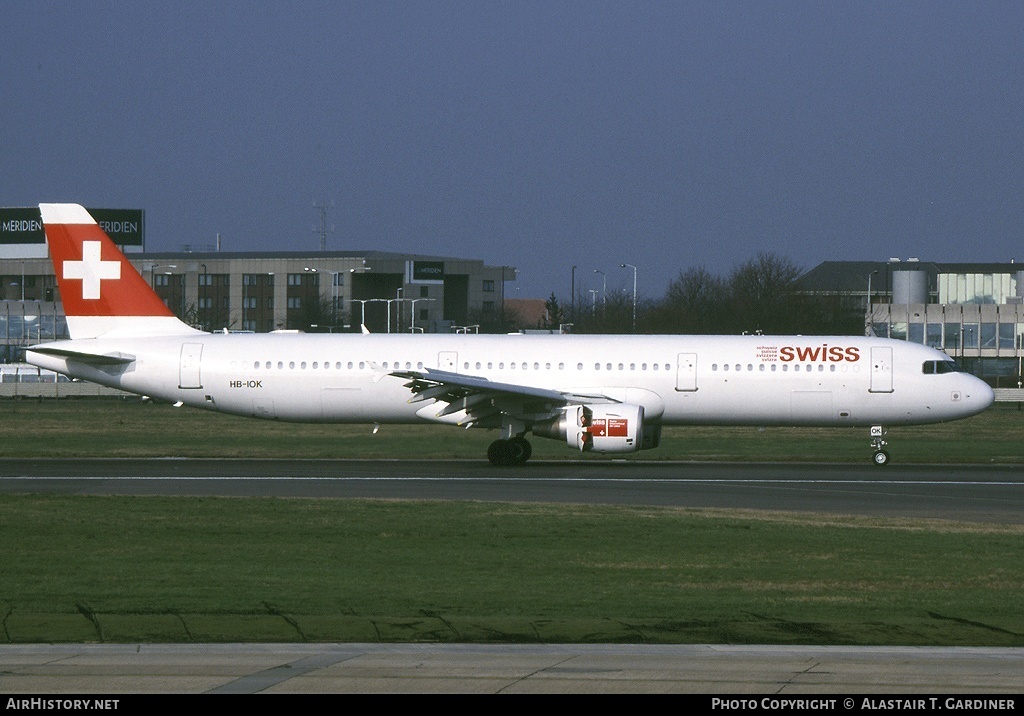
723 380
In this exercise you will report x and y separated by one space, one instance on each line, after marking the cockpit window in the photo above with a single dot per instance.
934 367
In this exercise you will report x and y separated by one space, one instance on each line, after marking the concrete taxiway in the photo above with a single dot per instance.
433 668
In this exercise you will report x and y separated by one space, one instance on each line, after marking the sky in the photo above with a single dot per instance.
535 134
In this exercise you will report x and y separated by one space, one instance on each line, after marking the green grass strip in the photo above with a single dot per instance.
154 569
118 428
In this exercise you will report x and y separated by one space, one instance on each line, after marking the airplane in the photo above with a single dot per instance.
602 394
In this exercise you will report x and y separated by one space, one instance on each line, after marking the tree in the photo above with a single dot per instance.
762 294
695 302
553 318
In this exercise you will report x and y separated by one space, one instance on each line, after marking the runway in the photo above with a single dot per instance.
965 493
970 493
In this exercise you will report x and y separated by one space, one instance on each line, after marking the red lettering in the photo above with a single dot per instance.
786 353
835 354
852 354
808 353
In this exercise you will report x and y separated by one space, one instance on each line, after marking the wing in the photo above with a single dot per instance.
469 400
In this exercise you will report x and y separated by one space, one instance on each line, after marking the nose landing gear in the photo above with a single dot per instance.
881 457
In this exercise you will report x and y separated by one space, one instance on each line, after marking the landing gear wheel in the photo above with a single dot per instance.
498 453
521 450
881 457
504 453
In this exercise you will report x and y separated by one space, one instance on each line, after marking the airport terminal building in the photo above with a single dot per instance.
326 291
972 311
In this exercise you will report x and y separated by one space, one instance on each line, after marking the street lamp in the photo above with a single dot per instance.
634 293
362 306
398 310
572 294
604 286
412 321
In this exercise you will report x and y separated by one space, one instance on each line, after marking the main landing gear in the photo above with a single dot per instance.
514 451
881 457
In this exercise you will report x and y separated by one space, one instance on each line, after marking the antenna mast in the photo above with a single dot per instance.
322 230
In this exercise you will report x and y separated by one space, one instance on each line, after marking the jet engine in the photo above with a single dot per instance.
599 428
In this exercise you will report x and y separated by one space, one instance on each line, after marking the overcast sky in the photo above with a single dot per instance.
534 134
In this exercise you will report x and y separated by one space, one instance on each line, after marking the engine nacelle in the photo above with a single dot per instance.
598 428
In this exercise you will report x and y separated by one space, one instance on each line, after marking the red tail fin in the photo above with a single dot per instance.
101 291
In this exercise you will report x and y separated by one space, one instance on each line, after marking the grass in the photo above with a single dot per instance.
220 570
154 569
115 428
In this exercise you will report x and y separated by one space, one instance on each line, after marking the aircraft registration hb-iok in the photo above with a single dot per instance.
609 394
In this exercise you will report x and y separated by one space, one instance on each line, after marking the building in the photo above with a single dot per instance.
972 311
327 291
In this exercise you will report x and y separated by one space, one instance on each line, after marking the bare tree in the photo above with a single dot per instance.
763 296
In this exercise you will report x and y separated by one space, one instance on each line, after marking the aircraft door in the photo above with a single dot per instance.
881 370
449 361
686 372
188 369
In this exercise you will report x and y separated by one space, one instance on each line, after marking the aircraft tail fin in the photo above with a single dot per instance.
101 291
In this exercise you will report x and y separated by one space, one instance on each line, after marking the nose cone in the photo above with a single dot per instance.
977 395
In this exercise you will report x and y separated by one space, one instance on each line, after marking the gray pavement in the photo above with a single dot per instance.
465 668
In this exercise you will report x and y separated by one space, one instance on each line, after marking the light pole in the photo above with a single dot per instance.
634 293
572 294
604 286
593 304
362 306
412 322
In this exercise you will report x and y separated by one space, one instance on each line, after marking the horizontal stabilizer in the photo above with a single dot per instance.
114 358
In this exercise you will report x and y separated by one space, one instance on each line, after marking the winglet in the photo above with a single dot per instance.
101 291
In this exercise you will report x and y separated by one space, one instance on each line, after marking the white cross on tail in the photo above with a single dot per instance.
92 270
